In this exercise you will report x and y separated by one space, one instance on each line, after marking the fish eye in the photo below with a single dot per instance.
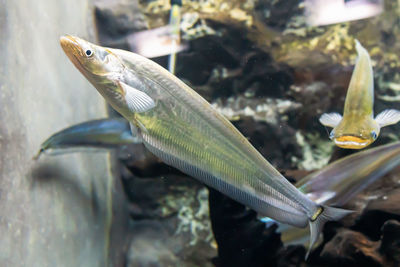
374 135
89 53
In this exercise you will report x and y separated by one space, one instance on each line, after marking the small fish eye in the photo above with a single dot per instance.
89 52
374 135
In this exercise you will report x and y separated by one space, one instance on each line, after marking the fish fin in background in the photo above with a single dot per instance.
137 100
388 117
316 225
330 119
267 220
135 133
321 197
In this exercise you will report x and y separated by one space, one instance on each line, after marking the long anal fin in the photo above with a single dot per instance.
316 225
388 117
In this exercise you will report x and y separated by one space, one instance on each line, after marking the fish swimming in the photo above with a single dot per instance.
358 128
341 181
185 131
103 133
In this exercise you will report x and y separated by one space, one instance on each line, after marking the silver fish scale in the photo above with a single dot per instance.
178 104
262 204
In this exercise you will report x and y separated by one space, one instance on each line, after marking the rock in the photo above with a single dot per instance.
155 243
272 12
242 239
390 246
273 142
381 207
178 205
388 202
116 19
291 256
150 247
349 248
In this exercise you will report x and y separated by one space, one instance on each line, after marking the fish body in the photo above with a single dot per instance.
185 131
341 181
102 133
358 128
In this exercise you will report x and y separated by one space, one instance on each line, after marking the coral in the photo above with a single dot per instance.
195 222
270 110
316 151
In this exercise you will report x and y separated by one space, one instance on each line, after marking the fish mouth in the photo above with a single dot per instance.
72 49
352 142
70 45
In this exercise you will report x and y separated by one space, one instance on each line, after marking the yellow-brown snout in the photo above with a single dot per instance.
71 46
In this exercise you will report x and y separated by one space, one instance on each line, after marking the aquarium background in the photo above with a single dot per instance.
257 62
59 211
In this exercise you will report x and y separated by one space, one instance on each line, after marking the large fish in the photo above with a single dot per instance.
358 128
181 128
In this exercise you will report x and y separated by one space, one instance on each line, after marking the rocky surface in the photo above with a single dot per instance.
62 211
171 222
261 66
350 248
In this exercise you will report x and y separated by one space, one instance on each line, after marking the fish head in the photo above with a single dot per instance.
355 134
91 60
103 68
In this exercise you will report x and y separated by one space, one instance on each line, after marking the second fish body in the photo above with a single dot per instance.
341 181
358 128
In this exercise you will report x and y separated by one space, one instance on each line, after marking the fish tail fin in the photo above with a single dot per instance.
323 215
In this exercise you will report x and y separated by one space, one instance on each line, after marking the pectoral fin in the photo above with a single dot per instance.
330 119
388 117
137 100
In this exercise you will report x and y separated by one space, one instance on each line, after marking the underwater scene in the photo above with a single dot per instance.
200 133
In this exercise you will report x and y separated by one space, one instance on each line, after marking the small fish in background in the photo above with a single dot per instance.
325 12
180 127
96 134
341 181
358 128
161 41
